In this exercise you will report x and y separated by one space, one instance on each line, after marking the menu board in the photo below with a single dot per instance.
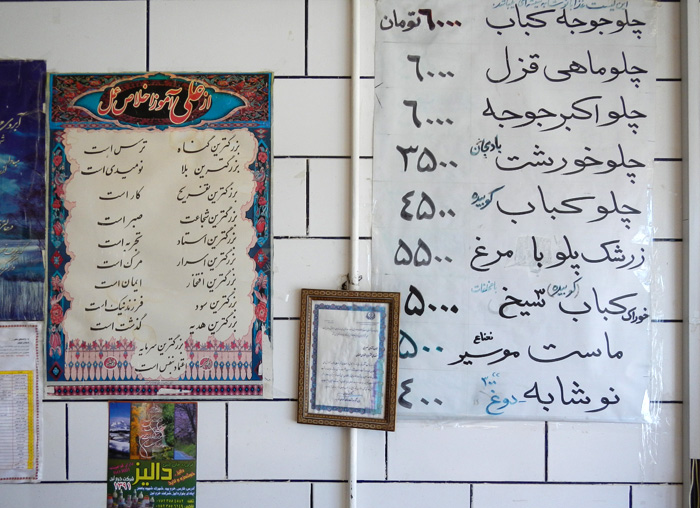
513 151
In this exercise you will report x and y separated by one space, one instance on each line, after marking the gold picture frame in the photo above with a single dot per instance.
348 358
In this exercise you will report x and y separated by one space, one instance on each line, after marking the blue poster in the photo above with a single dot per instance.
22 91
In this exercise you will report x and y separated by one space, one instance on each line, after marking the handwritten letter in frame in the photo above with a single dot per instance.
348 352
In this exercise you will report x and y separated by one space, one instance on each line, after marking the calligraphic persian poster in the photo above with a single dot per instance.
152 455
159 235
22 189
513 149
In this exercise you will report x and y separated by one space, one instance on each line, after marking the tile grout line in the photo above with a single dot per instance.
66 420
148 35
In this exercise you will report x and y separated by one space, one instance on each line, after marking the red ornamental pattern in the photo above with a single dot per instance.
229 360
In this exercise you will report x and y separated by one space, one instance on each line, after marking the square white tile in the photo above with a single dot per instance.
314 115
89 37
550 496
88 430
330 184
311 263
227 36
266 443
53 436
394 495
642 453
211 433
289 197
475 451
330 42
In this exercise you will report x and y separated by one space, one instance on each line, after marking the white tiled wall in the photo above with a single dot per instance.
253 453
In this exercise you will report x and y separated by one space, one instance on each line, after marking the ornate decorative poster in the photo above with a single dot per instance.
159 235
514 145
22 189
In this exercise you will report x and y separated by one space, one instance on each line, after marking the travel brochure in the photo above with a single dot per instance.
152 455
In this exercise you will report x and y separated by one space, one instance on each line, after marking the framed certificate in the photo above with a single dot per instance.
348 358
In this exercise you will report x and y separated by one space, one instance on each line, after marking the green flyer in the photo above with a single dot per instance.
152 455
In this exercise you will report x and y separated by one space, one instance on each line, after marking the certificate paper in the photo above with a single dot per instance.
19 406
348 358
